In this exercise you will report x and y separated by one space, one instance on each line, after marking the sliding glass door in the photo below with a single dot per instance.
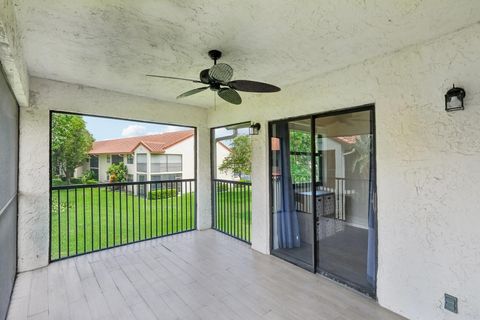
293 224
323 195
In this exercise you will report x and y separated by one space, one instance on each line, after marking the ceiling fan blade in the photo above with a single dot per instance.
174 78
189 93
221 72
230 95
252 86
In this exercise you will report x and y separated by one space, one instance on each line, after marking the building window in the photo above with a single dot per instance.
95 173
130 159
167 185
166 163
141 188
108 158
174 163
129 177
93 161
141 162
168 176
116 159
94 166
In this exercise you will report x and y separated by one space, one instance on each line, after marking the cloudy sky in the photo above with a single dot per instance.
104 129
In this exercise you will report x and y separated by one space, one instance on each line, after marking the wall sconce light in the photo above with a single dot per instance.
254 129
454 99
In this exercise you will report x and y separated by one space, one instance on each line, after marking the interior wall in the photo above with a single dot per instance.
427 166
8 193
46 95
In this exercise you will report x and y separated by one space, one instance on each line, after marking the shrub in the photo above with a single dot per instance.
162 193
91 181
75 181
58 182
88 176
118 172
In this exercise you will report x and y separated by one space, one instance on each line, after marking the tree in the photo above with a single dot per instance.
118 172
239 159
363 149
71 142
300 156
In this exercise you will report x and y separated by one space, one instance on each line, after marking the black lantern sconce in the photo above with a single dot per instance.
254 129
454 99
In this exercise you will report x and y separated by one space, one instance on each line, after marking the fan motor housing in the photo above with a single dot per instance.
214 86
204 77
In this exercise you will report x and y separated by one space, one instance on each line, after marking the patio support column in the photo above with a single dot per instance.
260 232
204 211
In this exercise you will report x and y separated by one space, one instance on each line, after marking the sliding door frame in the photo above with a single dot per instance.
296 262
314 268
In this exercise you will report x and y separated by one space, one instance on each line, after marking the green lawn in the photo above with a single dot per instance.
233 212
102 218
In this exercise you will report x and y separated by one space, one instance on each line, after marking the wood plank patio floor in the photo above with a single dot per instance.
195 275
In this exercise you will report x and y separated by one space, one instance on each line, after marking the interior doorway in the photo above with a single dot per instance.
323 194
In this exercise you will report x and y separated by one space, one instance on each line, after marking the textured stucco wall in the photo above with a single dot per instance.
428 167
33 218
102 168
11 53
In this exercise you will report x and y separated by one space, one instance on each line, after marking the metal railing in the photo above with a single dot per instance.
232 208
93 217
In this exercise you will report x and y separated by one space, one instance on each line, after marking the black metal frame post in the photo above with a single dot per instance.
230 222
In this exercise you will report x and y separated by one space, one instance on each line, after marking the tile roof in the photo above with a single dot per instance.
155 143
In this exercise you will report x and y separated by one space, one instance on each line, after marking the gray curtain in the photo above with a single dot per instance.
287 222
372 221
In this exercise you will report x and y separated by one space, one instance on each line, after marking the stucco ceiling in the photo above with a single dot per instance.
112 44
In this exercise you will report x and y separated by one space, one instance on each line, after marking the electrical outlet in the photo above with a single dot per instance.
451 303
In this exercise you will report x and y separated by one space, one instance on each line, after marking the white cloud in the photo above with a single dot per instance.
165 128
171 129
134 130
153 132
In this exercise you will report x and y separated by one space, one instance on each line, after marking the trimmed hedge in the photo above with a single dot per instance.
162 193
75 180
58 182
61 182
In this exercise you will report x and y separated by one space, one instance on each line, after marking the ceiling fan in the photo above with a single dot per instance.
218 77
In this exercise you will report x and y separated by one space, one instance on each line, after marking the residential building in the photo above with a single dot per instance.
156 157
